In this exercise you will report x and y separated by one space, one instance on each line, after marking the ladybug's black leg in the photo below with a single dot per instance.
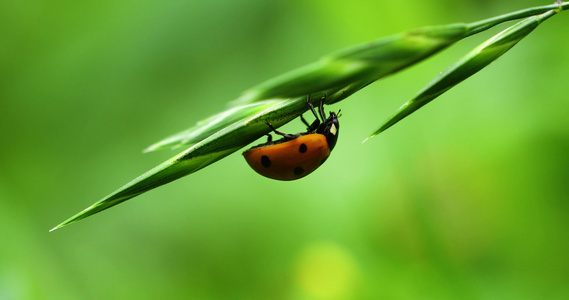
311 106
304 121
269 138
321 108
316 122
285 135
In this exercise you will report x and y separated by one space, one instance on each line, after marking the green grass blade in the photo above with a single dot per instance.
211 125
372 61
363 63
473 62
337 76
213 148
166 172
489 23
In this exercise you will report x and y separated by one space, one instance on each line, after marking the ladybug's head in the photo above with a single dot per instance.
330 128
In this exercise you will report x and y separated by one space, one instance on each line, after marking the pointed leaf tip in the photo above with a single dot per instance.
60 225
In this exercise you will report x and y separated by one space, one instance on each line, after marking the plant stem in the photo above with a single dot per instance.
488 23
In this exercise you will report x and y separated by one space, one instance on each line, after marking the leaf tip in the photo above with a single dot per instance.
377 132
56 227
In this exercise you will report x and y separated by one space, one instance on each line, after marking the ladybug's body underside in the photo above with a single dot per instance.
291 159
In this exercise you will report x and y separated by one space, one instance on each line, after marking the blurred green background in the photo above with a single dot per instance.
465 199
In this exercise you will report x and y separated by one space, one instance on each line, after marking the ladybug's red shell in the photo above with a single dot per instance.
291 159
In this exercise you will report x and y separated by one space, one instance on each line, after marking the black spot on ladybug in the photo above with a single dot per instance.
298 171
265 161
302 148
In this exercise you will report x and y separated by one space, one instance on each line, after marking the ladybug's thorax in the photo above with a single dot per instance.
330 128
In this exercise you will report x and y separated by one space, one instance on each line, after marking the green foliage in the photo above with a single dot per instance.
473 62
464 199
336 76
363 63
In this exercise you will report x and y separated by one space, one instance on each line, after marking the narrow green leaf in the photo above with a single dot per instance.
213 148
470 64
524 13
282 99
372 61
367 62
168 171
209 126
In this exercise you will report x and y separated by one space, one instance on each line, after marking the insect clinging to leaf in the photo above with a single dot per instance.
296 155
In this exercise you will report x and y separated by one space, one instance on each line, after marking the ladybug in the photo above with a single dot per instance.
296 155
